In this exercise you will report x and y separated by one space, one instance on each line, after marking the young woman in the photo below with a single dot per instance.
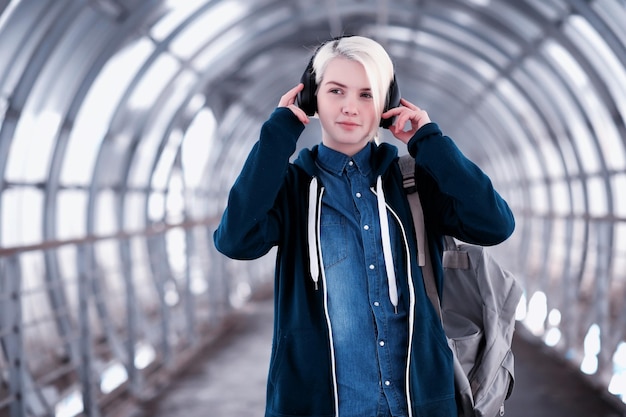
354 331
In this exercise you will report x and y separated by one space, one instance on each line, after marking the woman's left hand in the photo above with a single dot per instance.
406 112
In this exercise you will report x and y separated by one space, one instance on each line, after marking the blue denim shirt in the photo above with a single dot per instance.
370 339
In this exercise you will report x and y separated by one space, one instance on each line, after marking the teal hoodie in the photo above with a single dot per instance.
273 203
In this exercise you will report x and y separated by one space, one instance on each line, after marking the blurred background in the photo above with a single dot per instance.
123 124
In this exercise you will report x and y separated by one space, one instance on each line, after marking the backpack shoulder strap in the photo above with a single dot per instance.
453 256
407 166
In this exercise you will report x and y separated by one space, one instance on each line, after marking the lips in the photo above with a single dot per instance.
348 125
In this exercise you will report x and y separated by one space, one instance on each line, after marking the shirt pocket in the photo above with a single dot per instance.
334 238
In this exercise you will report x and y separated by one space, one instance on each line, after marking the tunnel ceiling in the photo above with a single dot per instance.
105 92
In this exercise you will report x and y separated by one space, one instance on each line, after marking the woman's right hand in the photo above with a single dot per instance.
289 100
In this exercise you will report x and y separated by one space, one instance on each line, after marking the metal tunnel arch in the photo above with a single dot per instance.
123 125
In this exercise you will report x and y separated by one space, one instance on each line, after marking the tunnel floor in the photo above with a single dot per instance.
228 379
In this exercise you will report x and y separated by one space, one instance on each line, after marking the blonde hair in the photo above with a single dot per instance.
367 52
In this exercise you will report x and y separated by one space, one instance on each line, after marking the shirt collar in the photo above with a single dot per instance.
335 162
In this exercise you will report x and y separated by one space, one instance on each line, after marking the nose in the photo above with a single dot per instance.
350 106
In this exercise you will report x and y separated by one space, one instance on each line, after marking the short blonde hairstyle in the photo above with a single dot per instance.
369 53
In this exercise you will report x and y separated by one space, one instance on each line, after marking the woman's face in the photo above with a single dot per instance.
345 107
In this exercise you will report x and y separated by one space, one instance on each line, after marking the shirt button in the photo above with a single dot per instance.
358 195
366 227
376 303
351 163
381 343
387 383
372 267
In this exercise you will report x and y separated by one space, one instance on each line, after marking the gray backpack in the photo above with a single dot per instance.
477 310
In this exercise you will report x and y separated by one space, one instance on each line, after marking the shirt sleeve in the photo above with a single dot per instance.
458 197
250 225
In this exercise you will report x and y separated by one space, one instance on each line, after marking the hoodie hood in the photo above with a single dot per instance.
383 155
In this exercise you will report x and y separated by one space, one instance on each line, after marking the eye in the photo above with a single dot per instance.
367 95
335 91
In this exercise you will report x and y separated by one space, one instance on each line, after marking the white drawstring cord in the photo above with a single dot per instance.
314 265
384 231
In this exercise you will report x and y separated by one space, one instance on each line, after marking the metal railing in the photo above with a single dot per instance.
91 325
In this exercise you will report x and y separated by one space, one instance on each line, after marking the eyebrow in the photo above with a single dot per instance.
338 84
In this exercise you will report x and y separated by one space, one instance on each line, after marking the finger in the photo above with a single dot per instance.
407 103
403 118
300 114
296 89
400 123
392 112
290 96
423 117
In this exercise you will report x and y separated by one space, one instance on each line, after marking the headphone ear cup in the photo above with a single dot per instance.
393 100
306 99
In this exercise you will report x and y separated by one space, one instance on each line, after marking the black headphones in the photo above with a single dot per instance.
307 99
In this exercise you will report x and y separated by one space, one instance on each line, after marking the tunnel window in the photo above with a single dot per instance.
178 12
518 23
556 107
576 119
30 270
177 252
34 129
602 57
153 82
6 14
590 275
175 202
578 246
539 199
613 13
551 9
94 119
561 197
613 75
215 21
22 214
618 182
553 164
71 214
167 157
472 42
156 205
485 71
598 203
218 50
110 264
105 213
160 139
619 260
197 147
533 168
557 251
144 273
133 215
